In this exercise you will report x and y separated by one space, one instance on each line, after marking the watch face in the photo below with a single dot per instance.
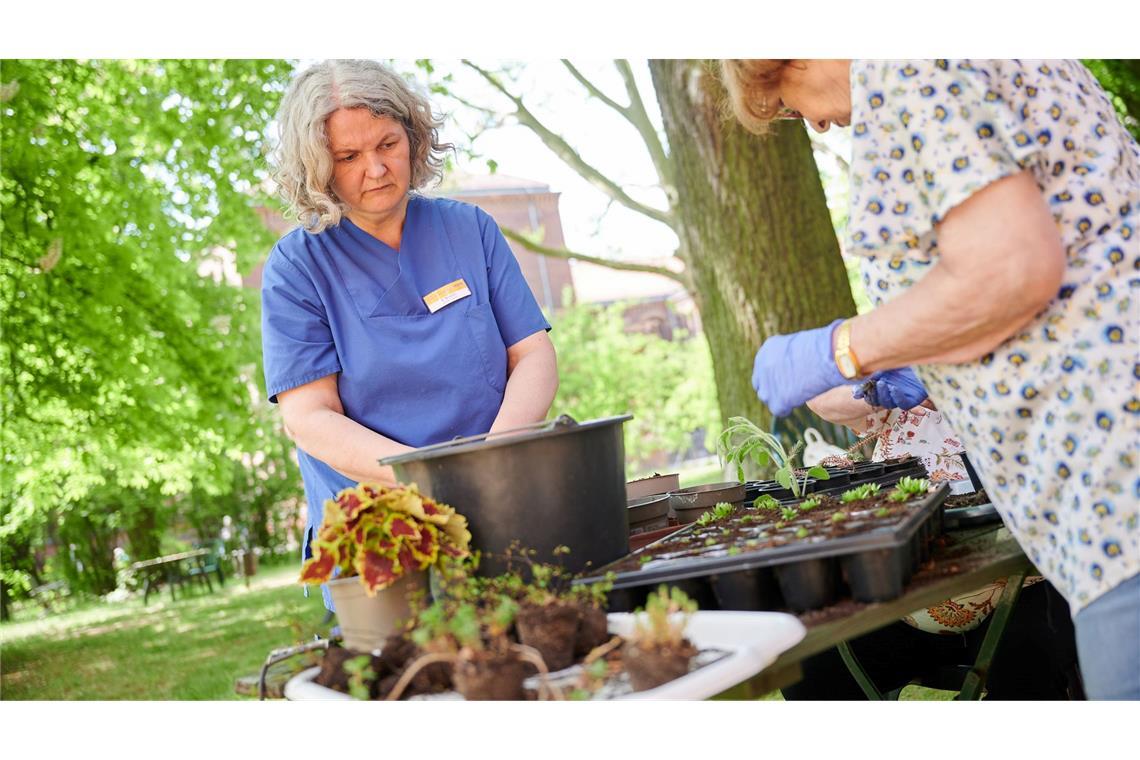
845 365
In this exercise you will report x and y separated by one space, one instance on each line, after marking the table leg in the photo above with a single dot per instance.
146 586
170 581
857 672
976 679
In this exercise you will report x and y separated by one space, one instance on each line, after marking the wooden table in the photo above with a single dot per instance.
970 559
168 569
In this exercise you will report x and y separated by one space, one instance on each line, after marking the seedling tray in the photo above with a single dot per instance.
841 478
871 562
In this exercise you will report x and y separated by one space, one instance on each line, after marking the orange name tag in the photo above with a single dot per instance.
449 293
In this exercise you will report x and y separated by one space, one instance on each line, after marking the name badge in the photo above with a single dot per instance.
449 293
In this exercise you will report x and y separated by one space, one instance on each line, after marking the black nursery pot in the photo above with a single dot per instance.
560 485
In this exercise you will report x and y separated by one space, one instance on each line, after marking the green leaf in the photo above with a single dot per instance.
819 473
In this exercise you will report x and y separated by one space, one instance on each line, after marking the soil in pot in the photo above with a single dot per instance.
651 667
975 499
552 629
490 675
593 629
397 654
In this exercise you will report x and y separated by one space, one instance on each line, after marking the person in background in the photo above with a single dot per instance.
390 320
999 200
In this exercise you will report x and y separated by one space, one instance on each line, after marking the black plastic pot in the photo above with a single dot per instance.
558 483
649 513
688 504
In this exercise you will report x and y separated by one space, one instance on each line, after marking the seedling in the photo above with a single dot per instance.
662 622
741 440
765 501
858 493
909 487
802 532
808 504
721 510
838 517
789 513
733 551
882 512
360 676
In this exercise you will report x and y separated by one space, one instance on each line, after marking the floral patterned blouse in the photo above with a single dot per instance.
1050 416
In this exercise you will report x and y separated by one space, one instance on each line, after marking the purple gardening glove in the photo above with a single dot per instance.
790 369
892 389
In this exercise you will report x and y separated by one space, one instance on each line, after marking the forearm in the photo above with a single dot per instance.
948 317
1001 262
530 391
345 445
838 406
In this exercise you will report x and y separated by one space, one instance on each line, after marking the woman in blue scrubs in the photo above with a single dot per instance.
390 320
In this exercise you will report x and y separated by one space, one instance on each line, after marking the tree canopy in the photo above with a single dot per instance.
130 351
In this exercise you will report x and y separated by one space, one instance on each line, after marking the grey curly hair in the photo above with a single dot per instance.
304 164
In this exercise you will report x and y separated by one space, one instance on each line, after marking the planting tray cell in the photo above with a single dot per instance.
759 559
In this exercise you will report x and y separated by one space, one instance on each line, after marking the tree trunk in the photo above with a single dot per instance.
756 235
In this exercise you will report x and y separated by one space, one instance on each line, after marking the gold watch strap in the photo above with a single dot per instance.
843 348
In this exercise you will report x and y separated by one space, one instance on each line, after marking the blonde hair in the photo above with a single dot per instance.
753 90
304 163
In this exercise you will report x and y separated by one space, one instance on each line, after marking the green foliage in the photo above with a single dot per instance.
802 532
1121 79
766 502
662 621
742 441
130 364
858 493
360 676
808 504
838 517
603 370
789 513
909 487
720 511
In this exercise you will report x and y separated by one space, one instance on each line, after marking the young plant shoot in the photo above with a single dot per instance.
741 440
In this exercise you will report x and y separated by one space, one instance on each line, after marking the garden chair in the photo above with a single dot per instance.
211 563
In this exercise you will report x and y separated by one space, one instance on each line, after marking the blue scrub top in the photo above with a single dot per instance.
341 301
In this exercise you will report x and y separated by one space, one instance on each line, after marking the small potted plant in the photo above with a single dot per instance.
548 614
657 651
380 542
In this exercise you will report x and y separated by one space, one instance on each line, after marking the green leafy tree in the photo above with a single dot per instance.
130 352
604 370
1120 77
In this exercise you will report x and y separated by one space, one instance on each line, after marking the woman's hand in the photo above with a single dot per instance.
892 389
315 420
790 369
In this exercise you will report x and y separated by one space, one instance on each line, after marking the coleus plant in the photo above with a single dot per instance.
380 534
741 440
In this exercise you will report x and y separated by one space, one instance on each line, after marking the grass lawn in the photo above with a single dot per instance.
193 648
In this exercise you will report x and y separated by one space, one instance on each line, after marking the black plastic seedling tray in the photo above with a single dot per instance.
841 478
873 565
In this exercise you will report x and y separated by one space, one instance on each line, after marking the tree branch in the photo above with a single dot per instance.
593 89
562 253
639 117
826 149
562 149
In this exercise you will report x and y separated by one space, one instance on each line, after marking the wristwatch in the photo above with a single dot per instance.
845 358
